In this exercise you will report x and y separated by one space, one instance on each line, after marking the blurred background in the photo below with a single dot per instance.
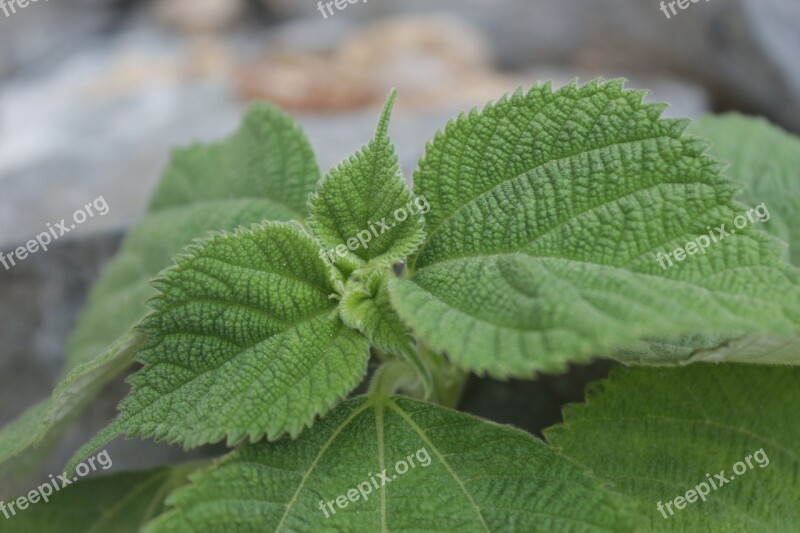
95 93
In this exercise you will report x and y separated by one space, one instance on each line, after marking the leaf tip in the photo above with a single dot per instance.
386 114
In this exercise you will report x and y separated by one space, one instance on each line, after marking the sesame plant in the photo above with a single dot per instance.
323 329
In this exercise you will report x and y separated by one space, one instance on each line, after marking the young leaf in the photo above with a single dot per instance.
363 206
265 170
245 341
122 503
547 211
658 433
479 477
365 307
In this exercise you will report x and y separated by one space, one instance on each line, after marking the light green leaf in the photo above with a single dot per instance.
265 170
269 157
119 503
657 433
20 436
366 308
767 159
363 207
479 476
547 211
117 301
245 342
30 438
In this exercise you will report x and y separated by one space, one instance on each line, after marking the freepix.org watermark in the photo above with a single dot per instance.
54 231
703 489
363 490
9 7
44 491
364 237
667 7
326 8
699 245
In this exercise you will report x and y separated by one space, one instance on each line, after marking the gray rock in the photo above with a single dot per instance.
743 50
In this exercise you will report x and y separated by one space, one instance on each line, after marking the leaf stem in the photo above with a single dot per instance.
448 380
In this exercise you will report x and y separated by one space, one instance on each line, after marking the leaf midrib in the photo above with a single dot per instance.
360 409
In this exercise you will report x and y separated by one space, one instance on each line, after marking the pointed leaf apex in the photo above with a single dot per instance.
386 114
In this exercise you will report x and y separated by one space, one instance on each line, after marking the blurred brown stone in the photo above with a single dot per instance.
304 82
432 61
197 16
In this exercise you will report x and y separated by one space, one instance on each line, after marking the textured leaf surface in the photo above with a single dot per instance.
547 210
265 170
245 341
366 308
360 197
480 477
767 159
657 433
121 503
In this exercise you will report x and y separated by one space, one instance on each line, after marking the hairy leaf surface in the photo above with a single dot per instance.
245 342
767 160
357 202
480 477
657 433
264 171
547 211
366 308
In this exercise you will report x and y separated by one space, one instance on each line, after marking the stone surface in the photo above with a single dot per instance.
198 16
744 50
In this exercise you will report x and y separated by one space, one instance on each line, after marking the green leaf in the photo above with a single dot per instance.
363 207
479 476
657 433
547 211
20 436
269 157
30 438
265 170
245 341
120 503
365 307
117 301
767 159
